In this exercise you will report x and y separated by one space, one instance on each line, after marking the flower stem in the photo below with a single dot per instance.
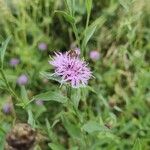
76 34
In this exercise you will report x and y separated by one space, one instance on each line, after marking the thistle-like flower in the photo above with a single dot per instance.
7 108
42 46
95 55
71 68
22 79
14 62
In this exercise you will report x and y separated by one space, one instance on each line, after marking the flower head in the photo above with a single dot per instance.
22 79
14 62
71 69
42 46
94 55
7 108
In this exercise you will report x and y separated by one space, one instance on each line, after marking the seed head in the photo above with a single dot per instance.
21 137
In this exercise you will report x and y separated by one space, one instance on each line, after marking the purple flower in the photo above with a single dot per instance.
22 79
14 62
39 102
71 69
42 46
7 108
94 55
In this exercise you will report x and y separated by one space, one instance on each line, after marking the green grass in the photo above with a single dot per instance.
114 110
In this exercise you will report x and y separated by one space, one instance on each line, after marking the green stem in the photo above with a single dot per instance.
10 90
70 105
76 34
69 92
87 21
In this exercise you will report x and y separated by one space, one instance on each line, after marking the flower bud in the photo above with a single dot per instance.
94 55
22 79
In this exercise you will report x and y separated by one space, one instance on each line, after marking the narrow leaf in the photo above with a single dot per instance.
52 96
31 120
51 76
2 84
55 146
92 28
75 97
70 5
51 135
68 17
92 126
137 145
88 6
3 50
72 129
88 34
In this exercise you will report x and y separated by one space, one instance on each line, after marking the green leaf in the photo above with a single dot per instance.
91 89
48 127
88 6
70 5
74 148
75 97
68 17
2 84
92 126
55 146
125 4
72 129
52 96
31 120
118 108
137 145
88 34
92 28
108 136
3 50
39 110
51 134
51 76
24 94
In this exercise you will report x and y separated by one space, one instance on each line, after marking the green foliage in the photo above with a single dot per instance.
3 50
68 17
93 126
137 145
52 96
